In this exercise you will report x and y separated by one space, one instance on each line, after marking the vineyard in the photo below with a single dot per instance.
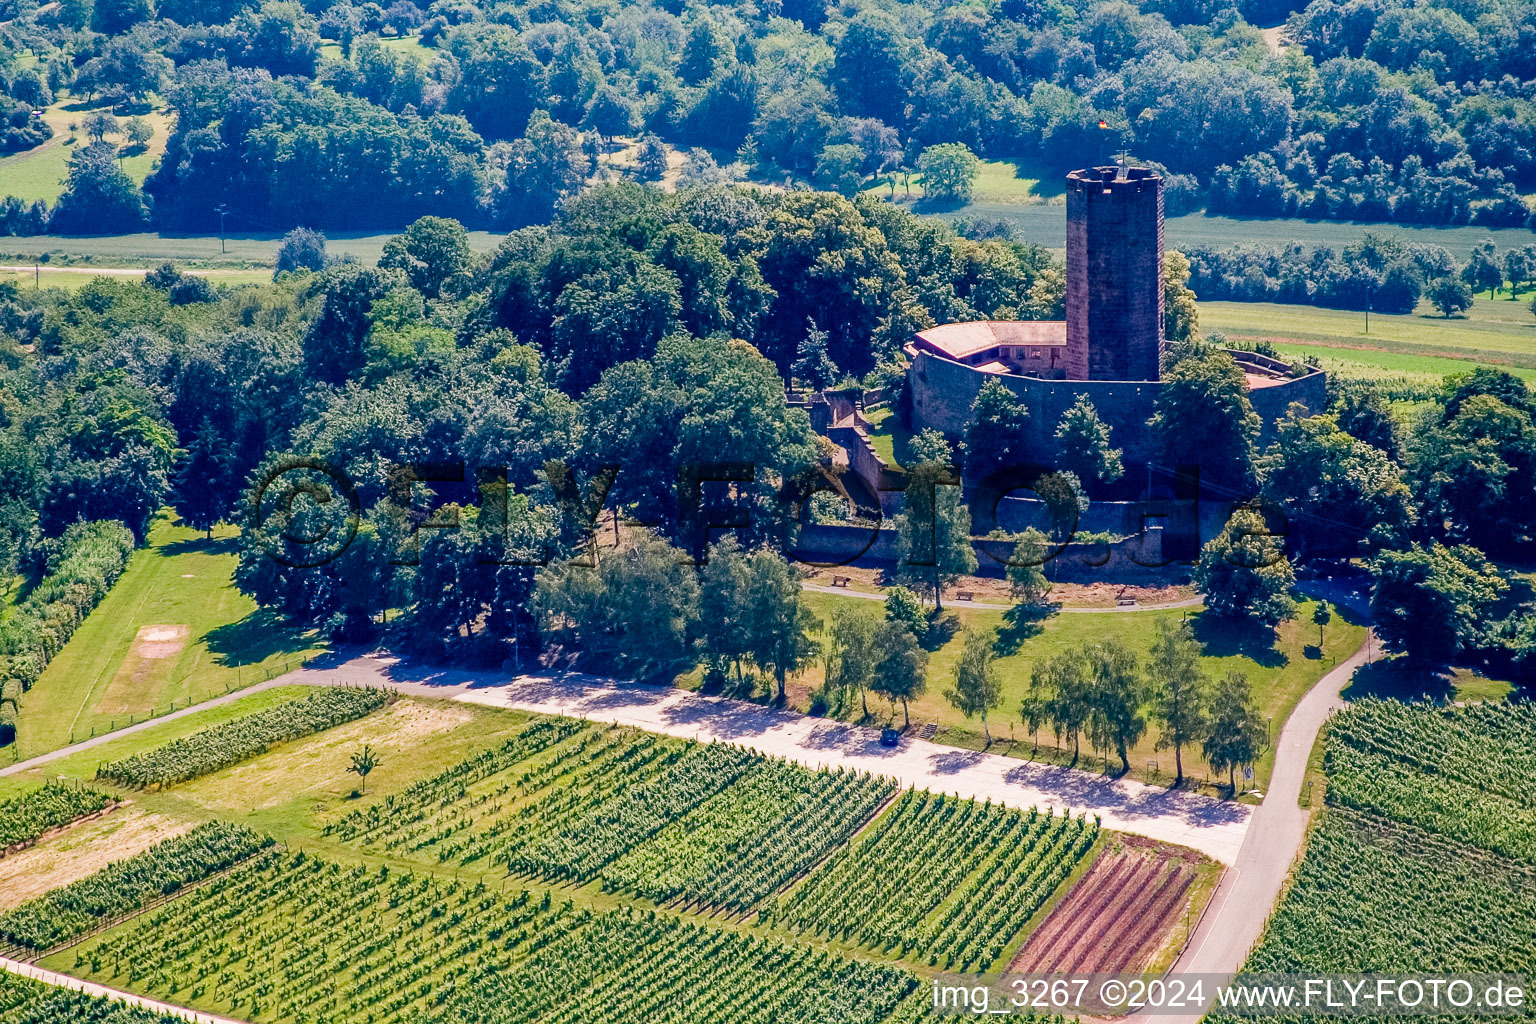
27 1002
948 880
1467 773
1375 895
293 937
704 824
209 750
128 885
24 818
1403 871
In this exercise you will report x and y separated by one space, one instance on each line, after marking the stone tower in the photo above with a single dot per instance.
1114 273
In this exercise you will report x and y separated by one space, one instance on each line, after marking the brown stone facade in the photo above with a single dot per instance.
1114 274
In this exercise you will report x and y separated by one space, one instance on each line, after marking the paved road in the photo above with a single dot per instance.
1213 827
1250 888
65 981
1190 602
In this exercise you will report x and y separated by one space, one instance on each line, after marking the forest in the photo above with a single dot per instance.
289 114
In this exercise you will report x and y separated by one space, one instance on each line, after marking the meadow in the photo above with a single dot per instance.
39 173
1280 665
172 631
1495 332
243 250
1029 197
410 44
42 276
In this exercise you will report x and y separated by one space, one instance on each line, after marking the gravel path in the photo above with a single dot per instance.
953 605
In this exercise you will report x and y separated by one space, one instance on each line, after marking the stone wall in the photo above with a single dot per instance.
941 392
1135 558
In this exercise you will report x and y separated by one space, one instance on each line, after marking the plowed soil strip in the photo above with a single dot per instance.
1114 918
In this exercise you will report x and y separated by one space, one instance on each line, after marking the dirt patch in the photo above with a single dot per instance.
80 851
154 642
1116 916
317 763
143 669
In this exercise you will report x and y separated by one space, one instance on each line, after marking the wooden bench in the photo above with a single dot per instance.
965 595
841 581
1125 602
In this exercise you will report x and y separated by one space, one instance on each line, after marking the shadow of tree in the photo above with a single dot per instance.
202 545
252 640
1226 638
1020 623
941 630
1399 679
937 205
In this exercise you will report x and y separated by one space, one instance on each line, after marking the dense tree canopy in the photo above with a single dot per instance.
1370 111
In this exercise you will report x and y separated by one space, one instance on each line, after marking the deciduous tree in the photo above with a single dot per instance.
1238 733
1179 695
977 689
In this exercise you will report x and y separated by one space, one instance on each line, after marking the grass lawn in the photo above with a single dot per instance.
39 173
173 629
887 436
1280 670
1495 332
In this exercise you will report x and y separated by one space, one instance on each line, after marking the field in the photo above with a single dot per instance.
953 882
78 277
50 806
524 868
39 173
33 1003
1496 332
1045 223
114 670
1397 888
222 746
1119 915
319 941
670 821
243 250
1280 667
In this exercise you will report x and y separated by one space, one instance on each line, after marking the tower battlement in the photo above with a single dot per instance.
1114 273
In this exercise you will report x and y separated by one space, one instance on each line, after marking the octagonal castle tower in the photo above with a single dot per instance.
1114 274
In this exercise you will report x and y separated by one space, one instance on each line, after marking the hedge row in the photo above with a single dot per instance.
55 803
127 885
208 750
88 559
